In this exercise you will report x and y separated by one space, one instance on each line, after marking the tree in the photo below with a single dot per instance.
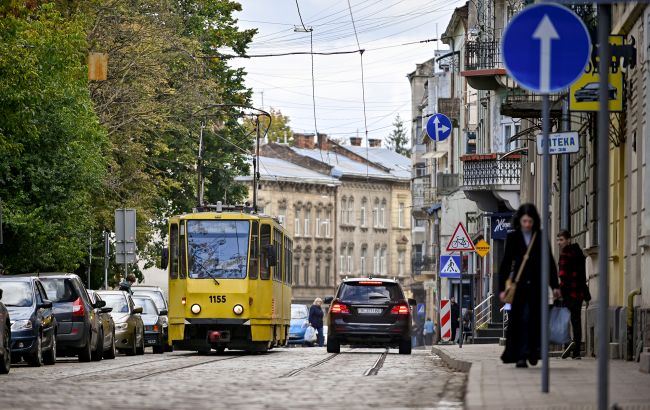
279 130
397 140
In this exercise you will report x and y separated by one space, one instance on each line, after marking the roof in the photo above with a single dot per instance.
370 280
275 169
399 165
342 165
18 278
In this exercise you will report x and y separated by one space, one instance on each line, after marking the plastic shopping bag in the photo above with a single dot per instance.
559 320
310 335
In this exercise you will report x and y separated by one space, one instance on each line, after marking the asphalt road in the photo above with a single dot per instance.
305 378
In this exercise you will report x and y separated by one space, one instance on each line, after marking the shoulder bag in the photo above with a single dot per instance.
511 285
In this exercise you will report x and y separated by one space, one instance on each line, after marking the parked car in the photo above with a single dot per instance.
5 338
589 92
129 328
299 323
153 323
80 329
159 299
33 325
108 325
369 312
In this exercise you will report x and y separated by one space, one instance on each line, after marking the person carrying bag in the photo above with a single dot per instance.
511 285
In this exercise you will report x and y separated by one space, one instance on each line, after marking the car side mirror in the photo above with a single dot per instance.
137 309
164 258
328 300
413 302
99 304
46 304
0 294
271 257
106 310
162 313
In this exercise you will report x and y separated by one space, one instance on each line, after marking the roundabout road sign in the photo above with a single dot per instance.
546 48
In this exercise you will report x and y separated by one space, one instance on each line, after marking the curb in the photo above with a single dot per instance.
456 364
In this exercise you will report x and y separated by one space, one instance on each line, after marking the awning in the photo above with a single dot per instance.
434 154
433 208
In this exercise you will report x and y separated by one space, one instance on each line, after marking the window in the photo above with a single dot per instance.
306 273
375 214
342 262
255 252
296 273
350 266
383 269
375 261
362 260
317 272
265 241
382 213
326 225
400 262
173 251
362 216
344 209
327 273
350 215
282 214
182 270
277 247
318 227
307 230
296 224
217 249
400 215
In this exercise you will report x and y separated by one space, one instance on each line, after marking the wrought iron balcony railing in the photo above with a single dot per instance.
482 55
423 264
485 170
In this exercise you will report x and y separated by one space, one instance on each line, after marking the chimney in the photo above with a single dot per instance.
303 140
355 141
374 142
323 142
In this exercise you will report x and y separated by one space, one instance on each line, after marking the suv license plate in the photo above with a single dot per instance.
370 311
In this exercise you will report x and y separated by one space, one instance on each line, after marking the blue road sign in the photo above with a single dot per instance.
439 127
420 309
450 266
546 48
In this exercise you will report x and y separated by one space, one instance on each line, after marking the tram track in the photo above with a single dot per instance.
378 364
310 366
220 359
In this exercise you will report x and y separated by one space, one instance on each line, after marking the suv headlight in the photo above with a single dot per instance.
21 325
121 326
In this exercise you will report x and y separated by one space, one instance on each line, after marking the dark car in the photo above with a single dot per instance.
589 92
80 329
129 328
153 323
33 325
108 326
369 312
161 303
5 338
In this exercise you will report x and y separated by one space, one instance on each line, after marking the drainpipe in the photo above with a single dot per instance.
630 322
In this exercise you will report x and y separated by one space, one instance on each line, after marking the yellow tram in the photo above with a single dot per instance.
229 281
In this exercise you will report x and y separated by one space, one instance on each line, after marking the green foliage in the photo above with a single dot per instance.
51 143
397 139
279 129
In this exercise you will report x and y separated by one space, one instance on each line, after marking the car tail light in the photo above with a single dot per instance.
368 282
339 308
401 309
78 308
155 328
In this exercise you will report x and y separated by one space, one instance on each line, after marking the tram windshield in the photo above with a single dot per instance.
217 249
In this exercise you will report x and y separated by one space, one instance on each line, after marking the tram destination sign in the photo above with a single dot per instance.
559 143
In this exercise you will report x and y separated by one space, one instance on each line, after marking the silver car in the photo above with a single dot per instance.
129 328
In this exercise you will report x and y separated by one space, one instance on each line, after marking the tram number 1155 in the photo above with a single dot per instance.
218 299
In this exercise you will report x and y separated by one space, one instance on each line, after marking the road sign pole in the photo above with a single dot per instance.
546 176
460 301
604 23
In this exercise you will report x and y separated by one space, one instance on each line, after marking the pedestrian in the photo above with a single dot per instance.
125 285
524 318
316 319
467 323
455 318
429 331
573 285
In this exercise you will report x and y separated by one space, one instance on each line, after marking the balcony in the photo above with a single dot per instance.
483 66
451 108
490 182
521 104
447 183
424 265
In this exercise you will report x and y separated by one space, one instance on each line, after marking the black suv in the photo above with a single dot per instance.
79 325
369 312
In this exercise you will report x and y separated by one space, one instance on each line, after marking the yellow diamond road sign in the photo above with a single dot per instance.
482 248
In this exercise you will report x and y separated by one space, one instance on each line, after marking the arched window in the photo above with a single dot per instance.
375 214
350 216
362 215
382 214
344 210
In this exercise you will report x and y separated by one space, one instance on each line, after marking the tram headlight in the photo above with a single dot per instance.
238 309
196 309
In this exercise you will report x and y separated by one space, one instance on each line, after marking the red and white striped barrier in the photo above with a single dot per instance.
445 320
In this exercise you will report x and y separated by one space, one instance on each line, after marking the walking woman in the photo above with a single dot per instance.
524 319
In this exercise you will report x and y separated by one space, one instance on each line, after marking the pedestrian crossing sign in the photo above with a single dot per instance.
450 266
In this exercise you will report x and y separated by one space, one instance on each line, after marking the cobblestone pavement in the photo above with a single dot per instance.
283 378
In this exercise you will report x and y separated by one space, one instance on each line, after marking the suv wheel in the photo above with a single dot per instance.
111 352
5 361
50 356
85 355
36 358
333 346
405 346
99 347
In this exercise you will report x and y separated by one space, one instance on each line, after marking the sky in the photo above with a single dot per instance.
285 83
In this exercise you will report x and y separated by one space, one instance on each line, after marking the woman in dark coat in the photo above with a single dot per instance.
524 318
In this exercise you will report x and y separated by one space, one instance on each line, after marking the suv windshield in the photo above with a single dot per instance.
59 290
299 312
16 293
117 302
157 297
370 292
148 307
217 249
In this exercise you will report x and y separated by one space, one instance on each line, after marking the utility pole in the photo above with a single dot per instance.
199 169
256 161
565 203
90 255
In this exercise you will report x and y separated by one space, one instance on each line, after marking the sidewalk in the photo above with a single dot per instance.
493 385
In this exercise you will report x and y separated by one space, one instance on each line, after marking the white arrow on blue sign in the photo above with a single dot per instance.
439 127
450 266
546 48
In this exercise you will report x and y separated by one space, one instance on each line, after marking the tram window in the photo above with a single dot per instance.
173 251
265 241
255 253
277 247
183 258
290 263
